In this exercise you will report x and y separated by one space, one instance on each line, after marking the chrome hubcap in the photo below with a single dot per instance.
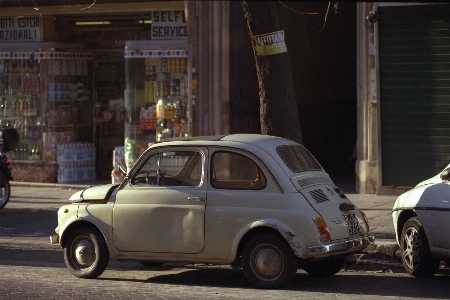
411 248
268 262
85 252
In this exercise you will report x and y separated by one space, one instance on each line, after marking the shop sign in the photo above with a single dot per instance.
21 29
270 43
169 25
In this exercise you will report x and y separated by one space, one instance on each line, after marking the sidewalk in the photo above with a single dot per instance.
74 185
378 209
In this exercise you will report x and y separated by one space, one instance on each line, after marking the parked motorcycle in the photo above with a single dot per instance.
9 138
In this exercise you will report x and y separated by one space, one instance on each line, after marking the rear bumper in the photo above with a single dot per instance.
350 245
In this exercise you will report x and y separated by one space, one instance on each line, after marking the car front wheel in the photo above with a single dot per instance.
268 261
85 253
416 255
323 268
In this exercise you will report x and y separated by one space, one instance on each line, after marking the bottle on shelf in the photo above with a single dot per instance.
182 87
37 152
30 155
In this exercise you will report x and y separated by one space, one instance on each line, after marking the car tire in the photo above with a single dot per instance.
85 253
5 191
415 250
268 261
152 264
324 268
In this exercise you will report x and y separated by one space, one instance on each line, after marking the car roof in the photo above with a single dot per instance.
246 138
263 146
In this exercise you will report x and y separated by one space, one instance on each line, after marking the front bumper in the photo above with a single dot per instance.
342 246
54 239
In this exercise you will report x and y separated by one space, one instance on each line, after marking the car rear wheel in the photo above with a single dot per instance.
268 261
85 253
325 267
416 255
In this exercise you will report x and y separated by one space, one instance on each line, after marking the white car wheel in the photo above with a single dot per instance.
85 253
268 261
416 255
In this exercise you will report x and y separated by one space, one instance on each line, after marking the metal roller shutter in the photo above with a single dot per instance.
414 47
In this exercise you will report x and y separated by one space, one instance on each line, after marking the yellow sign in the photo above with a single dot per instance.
270 43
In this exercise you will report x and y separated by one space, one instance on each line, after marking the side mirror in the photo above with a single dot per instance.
445 175
123 169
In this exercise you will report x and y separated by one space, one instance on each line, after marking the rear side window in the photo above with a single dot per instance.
235 171
298 159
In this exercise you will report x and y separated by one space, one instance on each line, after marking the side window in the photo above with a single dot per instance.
235 171
171 168
147 174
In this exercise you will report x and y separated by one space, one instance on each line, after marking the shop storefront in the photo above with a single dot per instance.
157 93
46 96
77 87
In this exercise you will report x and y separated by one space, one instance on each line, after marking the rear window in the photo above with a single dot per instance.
298 159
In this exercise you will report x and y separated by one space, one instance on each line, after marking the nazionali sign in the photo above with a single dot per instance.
21 29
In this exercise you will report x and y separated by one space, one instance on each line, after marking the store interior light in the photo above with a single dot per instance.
87 23
145 21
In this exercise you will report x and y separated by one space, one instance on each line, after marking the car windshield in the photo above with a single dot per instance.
298 159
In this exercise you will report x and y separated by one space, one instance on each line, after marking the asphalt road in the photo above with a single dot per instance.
30 267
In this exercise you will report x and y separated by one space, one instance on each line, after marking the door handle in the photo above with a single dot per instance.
196 199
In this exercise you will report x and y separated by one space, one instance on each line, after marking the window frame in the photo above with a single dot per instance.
310 157
159 153
261 174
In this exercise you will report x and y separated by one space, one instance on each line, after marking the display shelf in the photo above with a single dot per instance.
20 102
157 97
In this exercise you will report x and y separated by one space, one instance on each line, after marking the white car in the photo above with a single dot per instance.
422 221
261 202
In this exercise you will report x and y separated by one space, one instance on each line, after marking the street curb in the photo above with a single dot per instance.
387 248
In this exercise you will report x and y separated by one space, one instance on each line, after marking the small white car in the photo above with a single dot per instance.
421 219
261 202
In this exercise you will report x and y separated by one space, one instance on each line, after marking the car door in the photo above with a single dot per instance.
162 208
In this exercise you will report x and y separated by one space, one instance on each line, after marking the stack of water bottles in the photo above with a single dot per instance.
76 162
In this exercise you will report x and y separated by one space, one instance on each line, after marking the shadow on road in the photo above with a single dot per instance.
344 283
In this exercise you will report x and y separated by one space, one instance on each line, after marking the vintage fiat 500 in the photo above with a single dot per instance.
258 201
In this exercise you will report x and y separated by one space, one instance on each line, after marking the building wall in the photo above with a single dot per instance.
209 27
366 168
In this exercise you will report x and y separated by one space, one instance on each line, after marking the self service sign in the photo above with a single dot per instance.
169 25
21 29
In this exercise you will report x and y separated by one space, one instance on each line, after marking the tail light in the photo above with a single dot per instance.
366 221
322 227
